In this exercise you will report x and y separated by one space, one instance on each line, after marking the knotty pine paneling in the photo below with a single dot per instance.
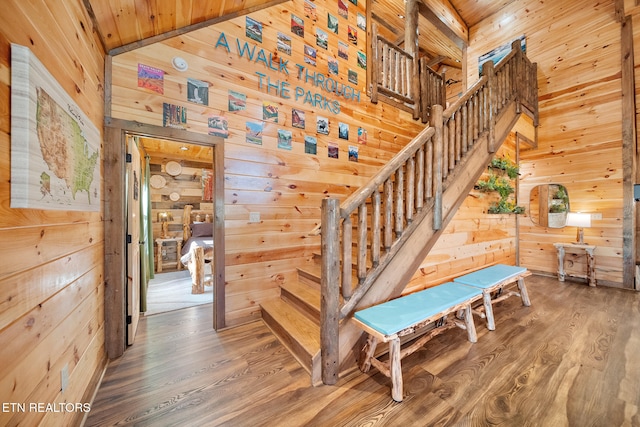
52 274
287 186
577 48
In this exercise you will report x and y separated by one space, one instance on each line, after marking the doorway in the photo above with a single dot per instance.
180 175
115 155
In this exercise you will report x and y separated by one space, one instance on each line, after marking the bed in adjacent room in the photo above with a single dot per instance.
197 247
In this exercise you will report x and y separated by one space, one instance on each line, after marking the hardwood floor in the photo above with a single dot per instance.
571 359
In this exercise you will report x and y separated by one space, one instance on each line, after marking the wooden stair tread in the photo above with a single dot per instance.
310 275
297 332
305 297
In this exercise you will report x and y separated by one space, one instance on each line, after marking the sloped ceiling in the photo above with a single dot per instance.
127 22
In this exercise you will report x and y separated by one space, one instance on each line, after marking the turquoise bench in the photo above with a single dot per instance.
389 321
495 279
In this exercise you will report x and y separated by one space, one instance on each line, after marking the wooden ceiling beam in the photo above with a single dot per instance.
446 20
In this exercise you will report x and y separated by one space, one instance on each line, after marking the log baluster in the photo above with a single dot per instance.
362 242
375 228
347 262
399 203
410 196
388 214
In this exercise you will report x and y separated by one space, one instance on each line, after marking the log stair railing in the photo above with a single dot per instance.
400 81
373 242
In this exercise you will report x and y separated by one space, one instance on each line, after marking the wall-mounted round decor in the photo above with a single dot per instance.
173 168
174 196
157 181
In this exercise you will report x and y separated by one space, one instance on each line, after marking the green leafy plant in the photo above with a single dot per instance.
561 207
505 164
502 185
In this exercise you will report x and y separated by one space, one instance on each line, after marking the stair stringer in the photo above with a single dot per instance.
401 268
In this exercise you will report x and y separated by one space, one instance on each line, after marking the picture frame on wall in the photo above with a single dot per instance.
353 77
333 150
343 50
361 21
332 65
297 25
284 43
322 38
310 144
309 55
343 9
322 125
197 91
353 153
285 138
253 29
174 116
332 23
298 118
343 130
254 132
218 126
237 101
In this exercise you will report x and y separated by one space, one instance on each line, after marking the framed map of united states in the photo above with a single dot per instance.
55 148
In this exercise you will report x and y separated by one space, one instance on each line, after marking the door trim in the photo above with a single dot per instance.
115 133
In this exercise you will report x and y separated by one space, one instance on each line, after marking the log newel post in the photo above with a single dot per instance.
330 291
489 71
438 164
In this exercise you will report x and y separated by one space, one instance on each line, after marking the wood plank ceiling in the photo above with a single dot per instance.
124 22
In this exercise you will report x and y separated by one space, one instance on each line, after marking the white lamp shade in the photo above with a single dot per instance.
577 219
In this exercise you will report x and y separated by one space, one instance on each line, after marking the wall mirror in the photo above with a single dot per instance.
548 205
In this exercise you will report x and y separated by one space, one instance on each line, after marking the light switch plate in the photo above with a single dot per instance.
596 215
254 216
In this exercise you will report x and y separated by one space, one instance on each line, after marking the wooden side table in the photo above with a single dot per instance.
575 248
160 242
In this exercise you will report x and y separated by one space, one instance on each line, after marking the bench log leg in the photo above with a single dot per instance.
471 327
367 353
523 293
488 310
395 369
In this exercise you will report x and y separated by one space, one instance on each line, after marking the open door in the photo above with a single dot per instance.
133 237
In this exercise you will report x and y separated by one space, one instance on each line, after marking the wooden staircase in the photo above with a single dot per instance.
373 242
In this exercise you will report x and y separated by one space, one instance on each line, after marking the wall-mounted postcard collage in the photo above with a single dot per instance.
152 79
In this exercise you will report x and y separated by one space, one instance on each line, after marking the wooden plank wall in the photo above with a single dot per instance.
285 186
51 274
577 48
472 239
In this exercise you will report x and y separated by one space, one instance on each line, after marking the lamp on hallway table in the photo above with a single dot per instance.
164 218
580 220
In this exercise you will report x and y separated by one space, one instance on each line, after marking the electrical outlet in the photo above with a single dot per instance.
596 215
64 377
254 216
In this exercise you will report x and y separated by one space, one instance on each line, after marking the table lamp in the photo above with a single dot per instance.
580 220
164 218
